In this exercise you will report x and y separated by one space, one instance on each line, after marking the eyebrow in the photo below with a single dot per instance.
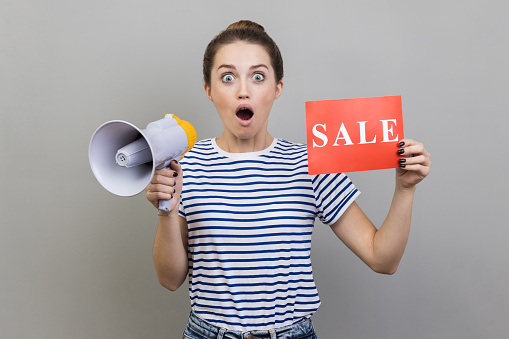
229 66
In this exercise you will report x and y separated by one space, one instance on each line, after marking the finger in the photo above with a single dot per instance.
164 175
412 150
162 178
414 160
419 169
165 189
405 143
158 179
154 197
175 166
415 163
419 159
162 172
160 191
408 142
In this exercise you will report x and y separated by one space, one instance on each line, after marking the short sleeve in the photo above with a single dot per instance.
333 194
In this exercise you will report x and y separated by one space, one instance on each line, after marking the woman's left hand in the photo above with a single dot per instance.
415 164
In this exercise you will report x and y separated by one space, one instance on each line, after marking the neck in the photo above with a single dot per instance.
232 144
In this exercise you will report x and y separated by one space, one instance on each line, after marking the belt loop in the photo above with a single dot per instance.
272 334
221 333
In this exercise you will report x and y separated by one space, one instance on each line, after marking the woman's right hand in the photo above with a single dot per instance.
166 184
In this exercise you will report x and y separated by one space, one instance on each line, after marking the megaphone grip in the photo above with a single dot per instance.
165 205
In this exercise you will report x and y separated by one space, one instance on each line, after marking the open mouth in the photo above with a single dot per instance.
244 114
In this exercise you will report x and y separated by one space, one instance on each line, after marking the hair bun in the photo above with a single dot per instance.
243 24
243 31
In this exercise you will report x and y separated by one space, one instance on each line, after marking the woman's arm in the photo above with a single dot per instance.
382 249
170 244
170 251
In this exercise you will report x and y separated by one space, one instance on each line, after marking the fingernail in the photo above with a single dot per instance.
402 165
401 144
402 160
175 174
401 151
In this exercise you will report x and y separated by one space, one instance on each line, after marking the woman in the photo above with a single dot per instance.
242 231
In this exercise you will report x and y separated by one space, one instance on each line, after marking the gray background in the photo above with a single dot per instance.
76 261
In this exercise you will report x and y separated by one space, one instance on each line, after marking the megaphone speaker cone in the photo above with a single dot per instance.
105 142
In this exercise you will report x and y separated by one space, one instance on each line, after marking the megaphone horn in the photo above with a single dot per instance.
123 157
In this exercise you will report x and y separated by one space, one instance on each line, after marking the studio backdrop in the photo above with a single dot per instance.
76 260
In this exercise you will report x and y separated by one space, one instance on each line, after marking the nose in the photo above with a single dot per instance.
243 90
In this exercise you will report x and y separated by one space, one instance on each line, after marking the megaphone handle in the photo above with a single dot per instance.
165 205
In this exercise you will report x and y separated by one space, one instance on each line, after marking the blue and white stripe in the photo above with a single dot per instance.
250 219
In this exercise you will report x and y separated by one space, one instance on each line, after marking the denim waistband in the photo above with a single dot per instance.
198 328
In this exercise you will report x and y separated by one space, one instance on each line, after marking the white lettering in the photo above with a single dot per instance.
386 130
319 135
362 131
346 137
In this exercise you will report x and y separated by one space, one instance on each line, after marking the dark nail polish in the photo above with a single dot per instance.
175 174
402 165
402 160
401 144
401 151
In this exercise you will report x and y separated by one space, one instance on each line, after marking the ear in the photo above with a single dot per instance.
279 89
206 87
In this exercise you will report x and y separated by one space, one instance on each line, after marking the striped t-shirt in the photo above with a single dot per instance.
250 218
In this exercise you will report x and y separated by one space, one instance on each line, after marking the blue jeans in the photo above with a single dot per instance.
198 328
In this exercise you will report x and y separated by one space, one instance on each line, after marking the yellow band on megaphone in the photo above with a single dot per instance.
189 130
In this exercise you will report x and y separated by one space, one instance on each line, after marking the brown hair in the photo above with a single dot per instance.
247 31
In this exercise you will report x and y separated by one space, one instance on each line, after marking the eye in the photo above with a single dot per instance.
258 77
227 78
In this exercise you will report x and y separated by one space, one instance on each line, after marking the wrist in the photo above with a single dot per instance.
410 190
171 213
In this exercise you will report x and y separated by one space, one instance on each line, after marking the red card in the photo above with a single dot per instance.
350 135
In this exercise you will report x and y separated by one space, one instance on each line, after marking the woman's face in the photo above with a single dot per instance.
243 88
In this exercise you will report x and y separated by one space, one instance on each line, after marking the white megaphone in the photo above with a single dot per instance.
124 157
